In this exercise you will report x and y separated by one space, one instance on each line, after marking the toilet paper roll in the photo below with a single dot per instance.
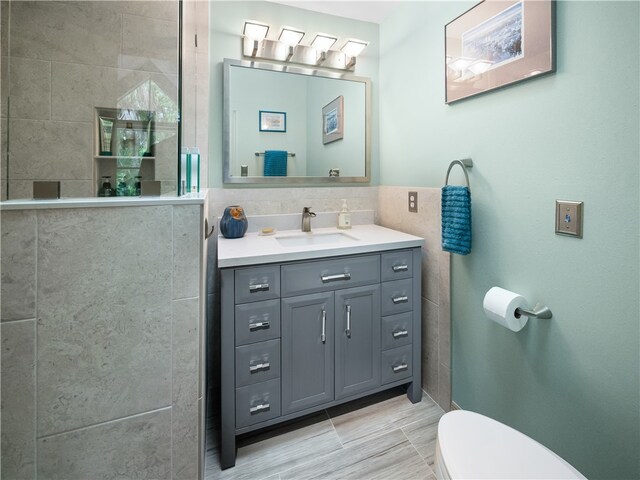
500 306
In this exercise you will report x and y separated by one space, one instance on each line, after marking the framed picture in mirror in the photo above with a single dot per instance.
272 121
333 121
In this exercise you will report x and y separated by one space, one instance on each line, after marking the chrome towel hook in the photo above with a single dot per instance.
464 163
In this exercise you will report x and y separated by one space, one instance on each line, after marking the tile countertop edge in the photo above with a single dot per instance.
368 235
95 202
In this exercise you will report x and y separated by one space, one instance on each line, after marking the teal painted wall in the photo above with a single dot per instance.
572 382
225 34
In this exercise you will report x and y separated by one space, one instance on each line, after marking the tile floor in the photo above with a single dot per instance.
383 436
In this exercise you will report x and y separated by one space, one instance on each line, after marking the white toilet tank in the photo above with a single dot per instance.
472 446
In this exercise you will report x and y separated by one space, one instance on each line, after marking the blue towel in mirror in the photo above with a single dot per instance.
456 219
275 163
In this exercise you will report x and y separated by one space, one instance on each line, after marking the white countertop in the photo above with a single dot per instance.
256 249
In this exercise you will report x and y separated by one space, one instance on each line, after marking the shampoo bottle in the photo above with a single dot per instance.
344 217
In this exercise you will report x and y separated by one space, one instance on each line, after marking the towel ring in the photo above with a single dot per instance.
464 163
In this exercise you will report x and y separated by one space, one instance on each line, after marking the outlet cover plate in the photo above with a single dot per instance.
569 218
413 202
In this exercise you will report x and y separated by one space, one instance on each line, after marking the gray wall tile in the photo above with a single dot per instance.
3 158
4 81
18 400
149 44
134 447
43 150
185 417
91 33
18 252
30 89
186 250
104 289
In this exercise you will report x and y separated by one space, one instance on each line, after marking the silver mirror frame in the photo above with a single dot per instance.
226 126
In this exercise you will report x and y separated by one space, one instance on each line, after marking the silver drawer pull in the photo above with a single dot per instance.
256 367
258 325
261 287
333 278
400 333
259 408
323 336
400 268
348 329
402 299
400 368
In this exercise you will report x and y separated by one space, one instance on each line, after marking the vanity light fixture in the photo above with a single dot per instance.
323 43
255 30
353 48
290 36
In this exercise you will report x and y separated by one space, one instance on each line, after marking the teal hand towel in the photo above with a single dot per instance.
275 163
456 219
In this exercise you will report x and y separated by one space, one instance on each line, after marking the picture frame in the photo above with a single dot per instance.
333 120
498 43
269 121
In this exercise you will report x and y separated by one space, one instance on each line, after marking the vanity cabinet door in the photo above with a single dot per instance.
357 340
307 327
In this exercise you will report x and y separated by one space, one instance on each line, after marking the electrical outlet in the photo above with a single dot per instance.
413 202
569 218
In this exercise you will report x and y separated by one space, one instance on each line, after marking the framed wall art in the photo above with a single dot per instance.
272 121
498 43
333 121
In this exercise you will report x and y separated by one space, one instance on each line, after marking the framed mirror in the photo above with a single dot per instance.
293 125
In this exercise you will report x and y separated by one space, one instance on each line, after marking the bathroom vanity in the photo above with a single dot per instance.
309 321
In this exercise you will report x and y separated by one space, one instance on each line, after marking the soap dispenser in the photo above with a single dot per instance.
344 217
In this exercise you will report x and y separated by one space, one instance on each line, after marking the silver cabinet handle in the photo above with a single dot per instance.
323 337
256 367
402 299
259 408
400 268
333 278
348 330
258 288
400 333
258 325
400 368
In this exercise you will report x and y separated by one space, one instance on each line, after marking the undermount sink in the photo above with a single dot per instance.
315 239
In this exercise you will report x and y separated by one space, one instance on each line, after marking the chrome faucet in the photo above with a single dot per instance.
306 219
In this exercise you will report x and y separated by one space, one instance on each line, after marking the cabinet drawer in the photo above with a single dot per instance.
257 321
257 362
397 297
257 283
396 265
396 364
257 403
332 274
397 330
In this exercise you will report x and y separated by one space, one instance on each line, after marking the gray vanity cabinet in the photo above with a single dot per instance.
307 351
297 337
357 340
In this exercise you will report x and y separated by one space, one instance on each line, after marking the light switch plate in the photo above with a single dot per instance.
413 202
569 218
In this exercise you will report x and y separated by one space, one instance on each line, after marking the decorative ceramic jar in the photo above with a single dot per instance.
233 223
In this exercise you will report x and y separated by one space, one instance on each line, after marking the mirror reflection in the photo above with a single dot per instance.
285 124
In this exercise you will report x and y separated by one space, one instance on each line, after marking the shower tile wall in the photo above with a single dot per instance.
107 54
436 316
100 342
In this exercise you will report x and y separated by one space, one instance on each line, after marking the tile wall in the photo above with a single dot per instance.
101 342
62 59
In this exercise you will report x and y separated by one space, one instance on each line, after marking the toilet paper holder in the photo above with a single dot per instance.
539 311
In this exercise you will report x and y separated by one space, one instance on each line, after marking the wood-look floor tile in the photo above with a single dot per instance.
362 420
390 456
269 453
422 435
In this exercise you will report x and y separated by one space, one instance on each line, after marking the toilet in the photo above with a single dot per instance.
470 445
